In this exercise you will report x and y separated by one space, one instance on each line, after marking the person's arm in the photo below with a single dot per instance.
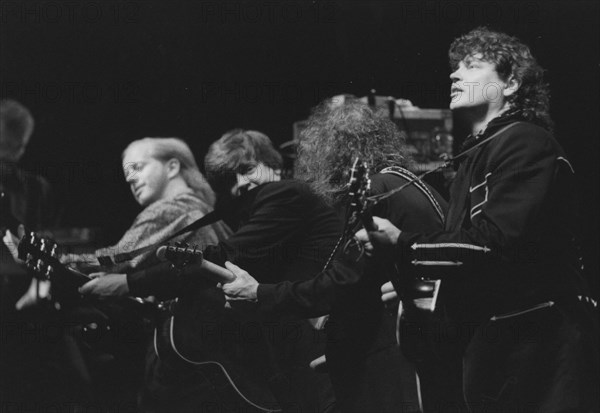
276 216
308 298
106 286
313 297
160 280
152 225
275 213
316 296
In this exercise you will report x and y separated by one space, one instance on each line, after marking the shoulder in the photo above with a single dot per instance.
290 198
525 136
394 177
284 191
523 149
390 178
177 206
415 199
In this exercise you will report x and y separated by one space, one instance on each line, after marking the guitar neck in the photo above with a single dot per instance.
216 272
367 221
179 257
390 267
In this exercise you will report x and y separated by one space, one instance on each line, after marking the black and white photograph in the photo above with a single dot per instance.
299 206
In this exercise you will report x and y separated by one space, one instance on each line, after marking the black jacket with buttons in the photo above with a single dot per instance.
509 240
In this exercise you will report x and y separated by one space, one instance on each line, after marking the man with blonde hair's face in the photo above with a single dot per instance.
151 179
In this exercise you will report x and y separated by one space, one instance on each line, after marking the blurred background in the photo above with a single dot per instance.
98 74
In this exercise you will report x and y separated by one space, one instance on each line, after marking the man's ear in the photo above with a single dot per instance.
173 167
512 85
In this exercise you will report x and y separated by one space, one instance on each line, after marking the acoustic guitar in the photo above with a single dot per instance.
197 330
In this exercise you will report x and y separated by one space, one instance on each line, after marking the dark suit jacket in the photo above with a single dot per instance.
366 367
285 233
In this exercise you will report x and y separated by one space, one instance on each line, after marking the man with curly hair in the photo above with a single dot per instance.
367 369
508 252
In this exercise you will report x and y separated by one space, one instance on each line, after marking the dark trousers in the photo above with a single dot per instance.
545 361
382 382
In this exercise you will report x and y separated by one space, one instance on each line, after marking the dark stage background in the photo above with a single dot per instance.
97 75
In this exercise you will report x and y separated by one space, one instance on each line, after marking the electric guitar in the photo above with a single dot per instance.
417 296
196 329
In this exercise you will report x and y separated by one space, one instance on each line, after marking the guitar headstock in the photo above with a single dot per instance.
359 187
180 254
40 255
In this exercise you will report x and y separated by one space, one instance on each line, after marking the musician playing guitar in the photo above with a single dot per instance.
283 231
366 367
509 248
164 180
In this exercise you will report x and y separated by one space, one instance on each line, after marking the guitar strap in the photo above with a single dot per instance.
207 219
447 162
418 183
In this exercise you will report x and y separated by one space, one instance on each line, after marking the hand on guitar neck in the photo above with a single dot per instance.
381 232
236 284
244 287
106 285
378 234
376 231
423 294
181 256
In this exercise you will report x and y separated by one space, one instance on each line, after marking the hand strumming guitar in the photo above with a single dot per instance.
386 235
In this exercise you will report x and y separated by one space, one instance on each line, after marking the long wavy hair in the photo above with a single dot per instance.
512 58
336 135
165 149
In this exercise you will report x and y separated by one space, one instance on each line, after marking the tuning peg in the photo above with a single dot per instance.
29 262
49 272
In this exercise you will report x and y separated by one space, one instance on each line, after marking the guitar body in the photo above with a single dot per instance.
197 331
